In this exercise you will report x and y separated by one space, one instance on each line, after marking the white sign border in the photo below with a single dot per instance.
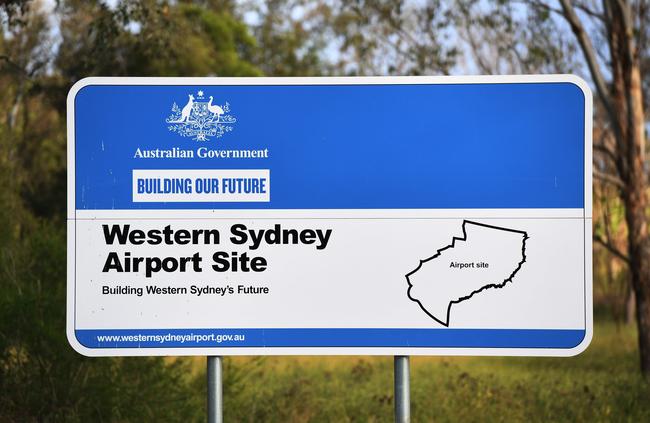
374 80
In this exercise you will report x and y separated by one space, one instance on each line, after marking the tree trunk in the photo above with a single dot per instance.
636 203
628 117
640 270
623 101
639 254
630 306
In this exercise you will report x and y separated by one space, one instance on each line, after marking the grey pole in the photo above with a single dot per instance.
402 390
215 384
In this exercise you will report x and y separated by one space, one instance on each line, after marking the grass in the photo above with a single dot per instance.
602 384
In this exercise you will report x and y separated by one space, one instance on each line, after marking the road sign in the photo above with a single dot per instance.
383 215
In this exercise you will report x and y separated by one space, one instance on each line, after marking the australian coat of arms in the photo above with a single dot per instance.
201 119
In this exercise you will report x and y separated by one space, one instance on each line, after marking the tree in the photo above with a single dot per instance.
394 37
624 27
609 41
501 38
291 37
613 42
41 377
152 38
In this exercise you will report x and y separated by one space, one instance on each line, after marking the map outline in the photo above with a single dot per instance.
483 288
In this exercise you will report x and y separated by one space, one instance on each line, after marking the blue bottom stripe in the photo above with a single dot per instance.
424 338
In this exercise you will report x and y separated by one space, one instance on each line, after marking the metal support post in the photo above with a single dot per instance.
215 391
402 390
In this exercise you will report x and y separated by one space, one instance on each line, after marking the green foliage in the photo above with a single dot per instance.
213 42
292 46
513 37
601 384
152 38
41 377
395 37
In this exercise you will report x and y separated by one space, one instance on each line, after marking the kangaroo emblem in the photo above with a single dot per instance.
187 110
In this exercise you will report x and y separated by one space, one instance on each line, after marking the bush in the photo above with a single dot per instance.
42 378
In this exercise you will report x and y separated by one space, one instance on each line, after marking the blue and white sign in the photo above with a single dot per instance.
382 215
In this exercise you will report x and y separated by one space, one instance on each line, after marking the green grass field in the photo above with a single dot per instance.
602 384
